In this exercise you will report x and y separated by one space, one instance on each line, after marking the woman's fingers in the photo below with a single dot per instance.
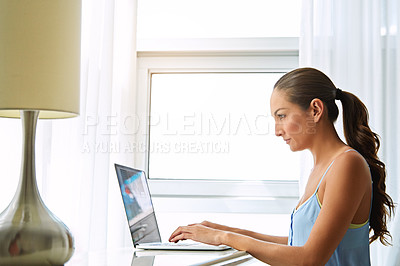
196 232
180 233
179 237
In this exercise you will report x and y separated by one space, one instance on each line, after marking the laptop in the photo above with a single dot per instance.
141 216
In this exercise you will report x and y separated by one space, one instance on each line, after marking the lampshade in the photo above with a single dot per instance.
40 57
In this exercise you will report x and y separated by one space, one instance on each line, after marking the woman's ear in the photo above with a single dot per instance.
317 109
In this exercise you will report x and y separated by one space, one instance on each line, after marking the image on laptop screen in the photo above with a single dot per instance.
138 206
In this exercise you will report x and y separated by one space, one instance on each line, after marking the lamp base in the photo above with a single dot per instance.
44 242
29 233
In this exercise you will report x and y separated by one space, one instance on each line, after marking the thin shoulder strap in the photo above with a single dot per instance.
322 178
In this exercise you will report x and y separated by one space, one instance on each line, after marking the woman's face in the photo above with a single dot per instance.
292 123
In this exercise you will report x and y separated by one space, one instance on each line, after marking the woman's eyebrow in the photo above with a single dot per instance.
277 110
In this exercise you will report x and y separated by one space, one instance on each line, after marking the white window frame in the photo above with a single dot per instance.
253 55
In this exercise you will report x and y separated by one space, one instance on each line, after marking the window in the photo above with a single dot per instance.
171 120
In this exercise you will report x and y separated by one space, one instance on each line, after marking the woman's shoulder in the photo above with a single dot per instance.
350 157
350 164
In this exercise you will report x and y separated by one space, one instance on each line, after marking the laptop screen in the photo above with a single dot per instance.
138 206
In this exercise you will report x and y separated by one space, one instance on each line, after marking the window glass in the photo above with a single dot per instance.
216 126
218 18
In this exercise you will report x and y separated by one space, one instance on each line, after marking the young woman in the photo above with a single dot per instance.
344 198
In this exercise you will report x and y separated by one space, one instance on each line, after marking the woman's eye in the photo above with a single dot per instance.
280 116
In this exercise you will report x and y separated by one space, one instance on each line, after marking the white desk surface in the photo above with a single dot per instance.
132 257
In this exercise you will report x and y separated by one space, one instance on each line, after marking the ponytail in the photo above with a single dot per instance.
359 136
305 84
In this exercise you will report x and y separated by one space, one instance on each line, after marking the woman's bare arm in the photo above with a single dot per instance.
269 238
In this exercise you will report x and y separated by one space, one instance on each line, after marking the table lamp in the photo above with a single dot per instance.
39 78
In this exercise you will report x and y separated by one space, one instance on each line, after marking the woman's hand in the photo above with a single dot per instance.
221 227
212 225
198 232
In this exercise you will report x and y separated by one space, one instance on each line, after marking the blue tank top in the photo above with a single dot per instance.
353 250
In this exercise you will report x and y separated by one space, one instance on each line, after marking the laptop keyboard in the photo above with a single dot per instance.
171 244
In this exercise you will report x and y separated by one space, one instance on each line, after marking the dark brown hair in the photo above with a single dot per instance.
305 84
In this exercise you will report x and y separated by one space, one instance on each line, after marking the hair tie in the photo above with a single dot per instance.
338 94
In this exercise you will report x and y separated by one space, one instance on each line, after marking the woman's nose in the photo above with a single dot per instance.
278 130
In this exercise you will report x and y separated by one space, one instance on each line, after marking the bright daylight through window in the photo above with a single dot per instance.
216 126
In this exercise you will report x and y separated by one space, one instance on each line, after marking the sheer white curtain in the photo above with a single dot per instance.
75 156
357 44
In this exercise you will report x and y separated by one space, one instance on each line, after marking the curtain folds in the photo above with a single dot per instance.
84 149
94 140
357 43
